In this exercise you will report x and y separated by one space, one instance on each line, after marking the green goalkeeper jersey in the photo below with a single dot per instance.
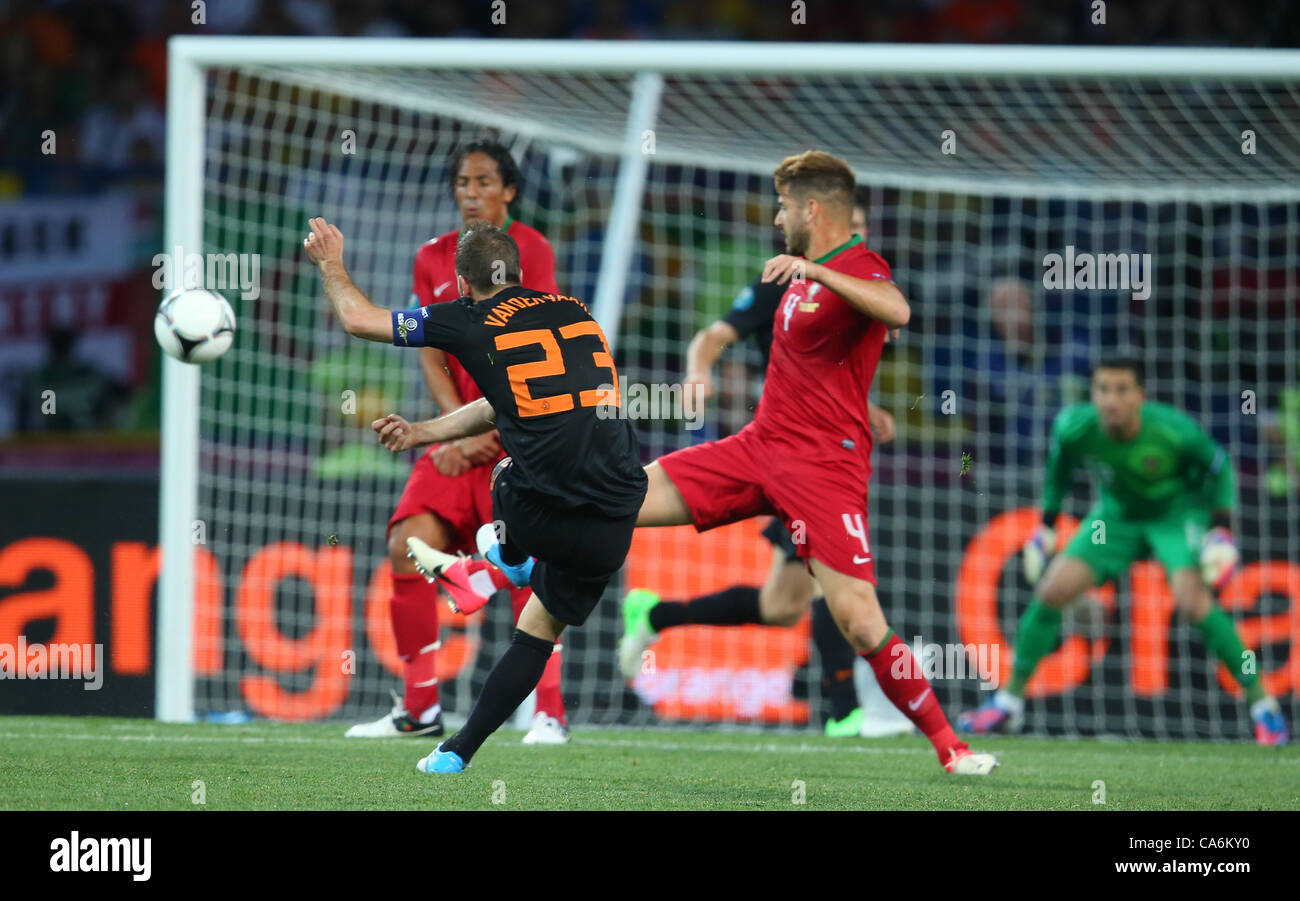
1170 462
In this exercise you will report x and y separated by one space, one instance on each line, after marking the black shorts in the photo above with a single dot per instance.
577 551
779 536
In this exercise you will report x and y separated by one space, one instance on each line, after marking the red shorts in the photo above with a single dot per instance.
822 501
463 501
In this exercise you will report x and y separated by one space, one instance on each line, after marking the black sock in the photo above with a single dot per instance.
734 606
515 675
837 659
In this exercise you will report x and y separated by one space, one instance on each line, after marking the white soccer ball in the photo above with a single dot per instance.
194 325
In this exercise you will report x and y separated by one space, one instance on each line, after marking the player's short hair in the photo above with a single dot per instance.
506 165
862 198
487 257
1120 361
816 172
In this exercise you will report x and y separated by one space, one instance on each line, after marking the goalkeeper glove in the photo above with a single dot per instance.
1218 558
1040 546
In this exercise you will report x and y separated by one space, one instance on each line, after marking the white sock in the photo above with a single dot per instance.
1257 709
1008 702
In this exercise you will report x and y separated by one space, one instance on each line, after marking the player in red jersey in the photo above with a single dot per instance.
806 455
446 497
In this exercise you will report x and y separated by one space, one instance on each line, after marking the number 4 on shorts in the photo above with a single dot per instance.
856 528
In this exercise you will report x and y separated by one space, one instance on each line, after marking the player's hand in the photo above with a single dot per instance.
892 334
480 449
882 424
394 432
703 383
1219 558
1033 558
784 266
325 243
449 460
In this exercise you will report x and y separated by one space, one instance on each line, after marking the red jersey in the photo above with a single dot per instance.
435 281
824 356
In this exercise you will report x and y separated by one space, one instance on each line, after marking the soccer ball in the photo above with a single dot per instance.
194 325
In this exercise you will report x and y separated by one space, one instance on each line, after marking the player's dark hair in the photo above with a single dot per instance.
816 172
487 257
1118 361
862 198
506 165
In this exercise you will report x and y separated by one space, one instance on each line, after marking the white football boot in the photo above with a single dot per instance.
546 730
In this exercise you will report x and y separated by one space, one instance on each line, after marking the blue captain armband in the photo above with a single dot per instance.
408 327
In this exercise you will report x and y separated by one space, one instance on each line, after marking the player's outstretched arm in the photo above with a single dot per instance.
358 315
704 350
877 299
398 435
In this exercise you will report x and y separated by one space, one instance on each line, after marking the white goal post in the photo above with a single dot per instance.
1140 147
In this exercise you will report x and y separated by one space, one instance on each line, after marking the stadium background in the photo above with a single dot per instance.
1222 321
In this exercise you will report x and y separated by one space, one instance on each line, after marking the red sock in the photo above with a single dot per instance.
414 613
549 699
421 677
902 682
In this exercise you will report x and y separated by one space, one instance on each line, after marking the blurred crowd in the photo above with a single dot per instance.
96 69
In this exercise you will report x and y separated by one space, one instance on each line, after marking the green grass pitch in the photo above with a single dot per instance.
61 763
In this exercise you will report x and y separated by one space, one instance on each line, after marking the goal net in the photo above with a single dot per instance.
993 177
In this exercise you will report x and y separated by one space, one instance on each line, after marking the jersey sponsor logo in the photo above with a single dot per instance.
804 304
744 300
437 292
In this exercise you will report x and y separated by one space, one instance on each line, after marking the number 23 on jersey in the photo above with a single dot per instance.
553 364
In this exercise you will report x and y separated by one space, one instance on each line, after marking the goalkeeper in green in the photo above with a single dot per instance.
1167 491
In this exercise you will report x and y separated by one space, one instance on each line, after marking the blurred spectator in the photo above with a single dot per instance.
1282 430
66 394
365 18
608 20
977 21
1015 371
126 129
